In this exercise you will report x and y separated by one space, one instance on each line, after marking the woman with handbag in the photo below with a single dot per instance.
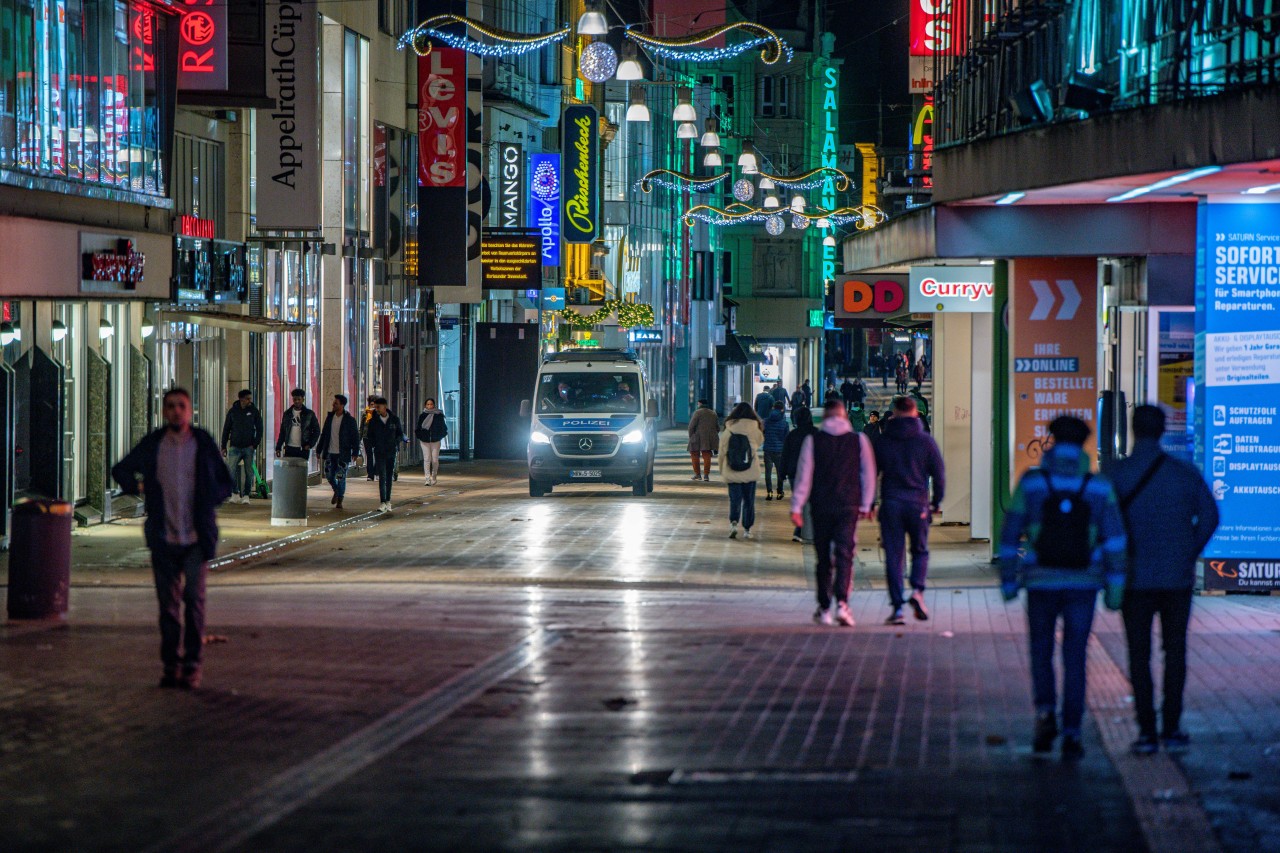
430 431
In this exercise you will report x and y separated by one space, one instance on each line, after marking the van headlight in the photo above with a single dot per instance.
539 437
635 436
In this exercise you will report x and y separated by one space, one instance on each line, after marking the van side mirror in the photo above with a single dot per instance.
651 409
526 409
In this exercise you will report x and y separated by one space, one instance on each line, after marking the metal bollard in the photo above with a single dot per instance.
289 493
40 560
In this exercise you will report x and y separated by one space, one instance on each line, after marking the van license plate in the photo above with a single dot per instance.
585 475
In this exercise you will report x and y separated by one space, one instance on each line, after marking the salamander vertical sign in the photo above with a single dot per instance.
1055 350
581 195
1237 400
202 46
544 204
288 150
830 154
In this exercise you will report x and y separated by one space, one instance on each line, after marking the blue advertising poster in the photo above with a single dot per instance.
544 204
1237 399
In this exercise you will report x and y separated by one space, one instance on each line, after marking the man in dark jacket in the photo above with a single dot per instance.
182 478
1170 514
299 428
339 443
791 456
241 434
763 404
836 477
430 430
775 438
907 459
779 393
385 434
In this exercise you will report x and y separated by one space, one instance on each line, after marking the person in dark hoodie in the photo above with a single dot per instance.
907 459
1170 514
791 456
775 439
178 469
242 433
299 428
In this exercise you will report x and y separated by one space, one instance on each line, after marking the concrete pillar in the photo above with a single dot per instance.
953 409
331 337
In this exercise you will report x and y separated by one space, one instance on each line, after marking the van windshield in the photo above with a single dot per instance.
566 393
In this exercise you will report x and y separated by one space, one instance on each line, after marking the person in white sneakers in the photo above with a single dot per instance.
836 476
740 443
430 431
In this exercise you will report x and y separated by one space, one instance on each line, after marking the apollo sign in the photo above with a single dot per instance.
956 289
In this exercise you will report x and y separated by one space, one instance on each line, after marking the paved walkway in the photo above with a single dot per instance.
591 671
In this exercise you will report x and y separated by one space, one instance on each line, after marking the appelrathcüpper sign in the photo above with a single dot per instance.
288 153
581 196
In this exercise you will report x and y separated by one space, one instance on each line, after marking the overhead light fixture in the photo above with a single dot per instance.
58 331
823 223
598 62
987 262
771 201
684 110
687 130
592 22
147 327
1165 183
829 240
1011 198
711 133
638 110
105 329
766 183
630 68
747 159
1263 190
7 334
713 158
798 203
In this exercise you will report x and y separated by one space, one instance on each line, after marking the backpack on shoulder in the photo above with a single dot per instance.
1064 541
738 455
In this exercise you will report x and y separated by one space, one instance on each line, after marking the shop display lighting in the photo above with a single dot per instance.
1165 183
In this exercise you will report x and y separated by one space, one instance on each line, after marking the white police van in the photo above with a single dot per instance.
591 422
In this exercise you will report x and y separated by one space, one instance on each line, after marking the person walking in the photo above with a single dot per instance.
846 392
1169 515
764 403
836 477
791 456
874 428
779 393
740 443
369 409
299 428
901 377
919 374
181 476
1075 545
775 439
339 444
704 438
430 430
808 393
241 435
386 435
798 401
908 460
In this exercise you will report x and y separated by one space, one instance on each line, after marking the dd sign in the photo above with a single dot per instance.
870 297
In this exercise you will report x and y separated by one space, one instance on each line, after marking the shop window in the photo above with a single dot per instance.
198 179
393 16
775 96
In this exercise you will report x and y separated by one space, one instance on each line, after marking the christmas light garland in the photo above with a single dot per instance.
685 181
507 42
673 48
863 217
630 315
811 179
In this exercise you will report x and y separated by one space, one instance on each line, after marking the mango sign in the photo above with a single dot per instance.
870 297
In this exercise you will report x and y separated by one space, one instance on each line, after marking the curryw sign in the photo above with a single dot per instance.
580 197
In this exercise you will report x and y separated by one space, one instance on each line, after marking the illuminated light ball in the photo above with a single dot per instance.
799 222
743 189
545 183
599 62
774 225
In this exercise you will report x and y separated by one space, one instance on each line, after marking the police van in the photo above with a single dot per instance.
591 421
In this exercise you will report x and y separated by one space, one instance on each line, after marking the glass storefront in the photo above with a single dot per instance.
291 285
82 96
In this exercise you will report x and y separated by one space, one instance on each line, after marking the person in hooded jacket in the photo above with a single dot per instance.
775 438
742 421
908 460
704 436
791 456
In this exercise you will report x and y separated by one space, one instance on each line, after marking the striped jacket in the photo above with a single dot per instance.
1067 465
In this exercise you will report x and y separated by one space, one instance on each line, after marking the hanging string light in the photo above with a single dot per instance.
864 217
775 48
743 190
679 181
810 180
502 42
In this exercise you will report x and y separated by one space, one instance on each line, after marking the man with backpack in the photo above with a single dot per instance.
1170 514
1075 546
836 476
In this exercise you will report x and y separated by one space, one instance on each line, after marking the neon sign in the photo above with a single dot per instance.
202 46
830 149
442 103
581 209
544 204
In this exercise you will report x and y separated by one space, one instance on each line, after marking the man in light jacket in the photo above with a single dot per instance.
1170 514
836 476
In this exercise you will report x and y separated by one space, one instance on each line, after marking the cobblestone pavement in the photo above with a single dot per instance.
482 671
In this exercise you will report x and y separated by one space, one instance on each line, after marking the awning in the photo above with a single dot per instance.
235 322
740 349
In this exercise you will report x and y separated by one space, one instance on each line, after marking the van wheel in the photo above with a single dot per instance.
536 489
640 487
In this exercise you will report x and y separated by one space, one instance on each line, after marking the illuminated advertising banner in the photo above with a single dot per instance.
1054 303
511 185
936 27
830 156
968 290
1237 399
870 297
510 257
288 149
544 204
442 118
202 46
581 198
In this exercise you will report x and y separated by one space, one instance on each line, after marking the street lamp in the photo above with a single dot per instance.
638 110
711 132
687 130
747 159
713 158
684 110
630 68
592 22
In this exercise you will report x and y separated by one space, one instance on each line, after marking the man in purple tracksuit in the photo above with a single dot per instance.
907 458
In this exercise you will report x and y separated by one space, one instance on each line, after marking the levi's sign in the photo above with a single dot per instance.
957 289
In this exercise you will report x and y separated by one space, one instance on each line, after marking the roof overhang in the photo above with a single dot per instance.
234 322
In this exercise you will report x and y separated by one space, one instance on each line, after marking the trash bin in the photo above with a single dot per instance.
40 559
289 493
